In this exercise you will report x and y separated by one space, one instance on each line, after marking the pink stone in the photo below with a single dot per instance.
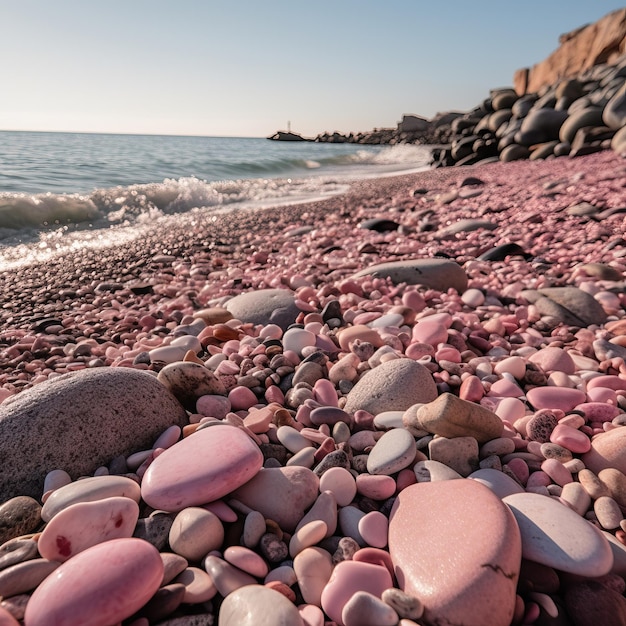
555 398
553 359
325 392
242 398
471 389
213 406
377 487
607 450
520 468
609 382
598 411
360 332
505 388
86 524
374 527
258 420
347 578
601 394
375 556
201 468
246 560
464 572
430 332
571 438
557 471
103 585
538 479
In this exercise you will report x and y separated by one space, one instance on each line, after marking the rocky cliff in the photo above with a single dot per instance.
580 50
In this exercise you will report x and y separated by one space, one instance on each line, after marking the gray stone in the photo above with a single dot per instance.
266 306
440 274
392 386
19 516
618 143
458 453
394 451
614 114
539 126
466 226
78 422
591 116
583 306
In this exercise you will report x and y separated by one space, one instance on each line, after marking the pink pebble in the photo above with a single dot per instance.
608 382
221 510
325 393
571 438
448 353
598 411
556 471
347 578
246 560
242 398
520 468
213 406
274 394
374 528
340 482
538 479
405 478
103 585
377 487
555 398
471 389
430 332
505 388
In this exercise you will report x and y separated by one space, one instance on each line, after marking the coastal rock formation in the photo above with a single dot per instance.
580 50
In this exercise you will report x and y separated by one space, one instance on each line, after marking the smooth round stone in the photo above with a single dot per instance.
189 381
608 513
394 385
394 451
555 398
340 482
349 518
225 576
246 560
330 415
173 565
607 450
347 578
556 536
297 339
374 528
405 606
284 574
311 615
500 483
388 420
89 490
167 354
473 298
265 306
7 619
463 573
440 274
195 532
242 398
394 320
281 494
361 332
307 536
198 585
570 438
86 524
513 365
201 468
434 471
313 568
19 516
258 605
102 412
304 458
213 406
25 576
365 609
80 590
450 416
576 497
292 439
553 359
324 509
375 487
556 471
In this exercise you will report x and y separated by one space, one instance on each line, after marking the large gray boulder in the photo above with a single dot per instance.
265 306
78 422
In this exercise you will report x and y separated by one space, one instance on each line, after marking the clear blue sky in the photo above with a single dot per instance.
245 67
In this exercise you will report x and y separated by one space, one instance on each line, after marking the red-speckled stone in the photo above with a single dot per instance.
101 586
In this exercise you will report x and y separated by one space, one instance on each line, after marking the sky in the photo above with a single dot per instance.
247 67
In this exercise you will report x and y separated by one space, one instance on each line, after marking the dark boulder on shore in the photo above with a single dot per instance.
571 104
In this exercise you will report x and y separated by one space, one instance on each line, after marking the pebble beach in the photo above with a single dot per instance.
399 406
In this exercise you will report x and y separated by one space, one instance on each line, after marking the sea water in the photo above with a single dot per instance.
62 191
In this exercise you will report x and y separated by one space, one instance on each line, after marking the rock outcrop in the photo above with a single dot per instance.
579 51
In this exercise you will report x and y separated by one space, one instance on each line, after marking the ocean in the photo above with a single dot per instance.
61 191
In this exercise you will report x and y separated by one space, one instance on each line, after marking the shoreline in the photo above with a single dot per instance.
522 318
